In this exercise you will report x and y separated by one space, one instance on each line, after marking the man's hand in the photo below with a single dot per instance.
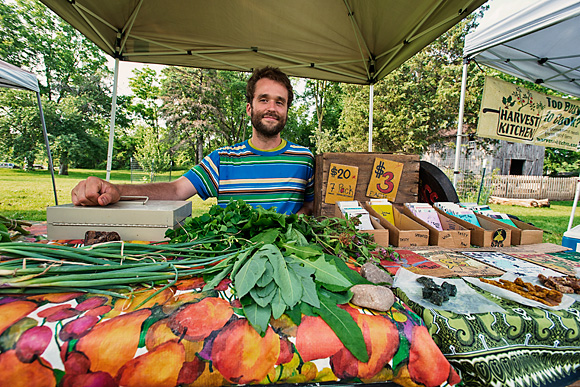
95 192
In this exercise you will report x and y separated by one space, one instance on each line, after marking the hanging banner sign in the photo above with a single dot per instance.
514 113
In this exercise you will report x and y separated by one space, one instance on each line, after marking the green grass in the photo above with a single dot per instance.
25 195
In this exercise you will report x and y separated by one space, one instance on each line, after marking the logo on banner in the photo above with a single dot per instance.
514 113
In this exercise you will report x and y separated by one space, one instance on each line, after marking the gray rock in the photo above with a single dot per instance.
372 297
375 274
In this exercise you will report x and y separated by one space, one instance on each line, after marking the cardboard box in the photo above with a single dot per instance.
453 235
492 233
524 234
404 232
380 233
408 190
132 220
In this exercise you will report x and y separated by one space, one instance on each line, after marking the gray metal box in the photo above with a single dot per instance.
133 220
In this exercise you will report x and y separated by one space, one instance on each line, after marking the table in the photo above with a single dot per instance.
185 336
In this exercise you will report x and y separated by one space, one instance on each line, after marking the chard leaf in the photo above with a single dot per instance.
294 235
278 305
268 275
350 274
240 260
258 316
263 296
212 283
285 278
345 328
268 236
309 293
327 273
302 271
249 274
303 252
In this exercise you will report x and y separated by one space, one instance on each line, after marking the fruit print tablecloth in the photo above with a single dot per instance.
523 347
186 337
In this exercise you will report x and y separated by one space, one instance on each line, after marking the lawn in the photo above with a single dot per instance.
26 194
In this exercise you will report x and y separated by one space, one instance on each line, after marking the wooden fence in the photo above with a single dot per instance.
532 187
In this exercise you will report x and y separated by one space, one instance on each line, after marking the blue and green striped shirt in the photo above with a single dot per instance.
281 178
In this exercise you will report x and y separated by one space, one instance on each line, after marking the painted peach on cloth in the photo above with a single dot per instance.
315 339
12 312
112 343
15 373
159 367
241 355
427 365
196 321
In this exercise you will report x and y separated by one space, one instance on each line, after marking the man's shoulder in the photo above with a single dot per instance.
298 149
233 149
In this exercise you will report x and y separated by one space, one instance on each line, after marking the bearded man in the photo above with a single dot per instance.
265 170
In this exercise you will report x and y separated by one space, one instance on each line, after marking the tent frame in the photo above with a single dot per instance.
16 78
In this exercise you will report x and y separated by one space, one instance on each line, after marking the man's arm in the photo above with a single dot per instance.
97 192
306 208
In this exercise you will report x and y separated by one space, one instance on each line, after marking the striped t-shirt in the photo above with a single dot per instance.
281 178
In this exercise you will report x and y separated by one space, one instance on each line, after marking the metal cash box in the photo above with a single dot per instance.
146 220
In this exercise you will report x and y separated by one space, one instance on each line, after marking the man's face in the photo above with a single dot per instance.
269 108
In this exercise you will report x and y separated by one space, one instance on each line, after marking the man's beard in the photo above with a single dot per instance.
266 130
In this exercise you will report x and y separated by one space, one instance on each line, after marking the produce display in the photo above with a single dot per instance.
278 264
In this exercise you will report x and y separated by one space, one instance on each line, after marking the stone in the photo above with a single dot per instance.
375 274
374 297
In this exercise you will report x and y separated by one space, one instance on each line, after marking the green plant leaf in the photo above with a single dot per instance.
268 275
285 278
278 305
345 328
258 316
327 273
267 237
350 274
303 252
240 260
249 274
263 296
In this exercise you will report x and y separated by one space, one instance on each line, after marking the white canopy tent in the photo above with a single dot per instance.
16 78
535 40
353 41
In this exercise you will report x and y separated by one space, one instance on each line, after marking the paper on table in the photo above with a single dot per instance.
467 300
566 302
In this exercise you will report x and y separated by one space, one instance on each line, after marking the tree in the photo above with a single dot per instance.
73 81
417 104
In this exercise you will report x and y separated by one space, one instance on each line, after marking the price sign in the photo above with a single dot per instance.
385 178
341 183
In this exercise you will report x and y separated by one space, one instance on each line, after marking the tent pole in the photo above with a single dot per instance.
371 98
575 204
460 123
112 125
50 165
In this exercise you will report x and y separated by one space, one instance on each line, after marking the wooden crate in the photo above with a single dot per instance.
408 186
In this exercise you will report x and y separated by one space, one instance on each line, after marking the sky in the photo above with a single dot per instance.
126 72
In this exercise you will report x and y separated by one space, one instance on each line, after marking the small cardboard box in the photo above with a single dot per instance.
523 234
405 232
490 234
380 233
132 220
453 235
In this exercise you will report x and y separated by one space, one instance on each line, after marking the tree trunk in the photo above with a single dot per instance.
199 152
63 167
